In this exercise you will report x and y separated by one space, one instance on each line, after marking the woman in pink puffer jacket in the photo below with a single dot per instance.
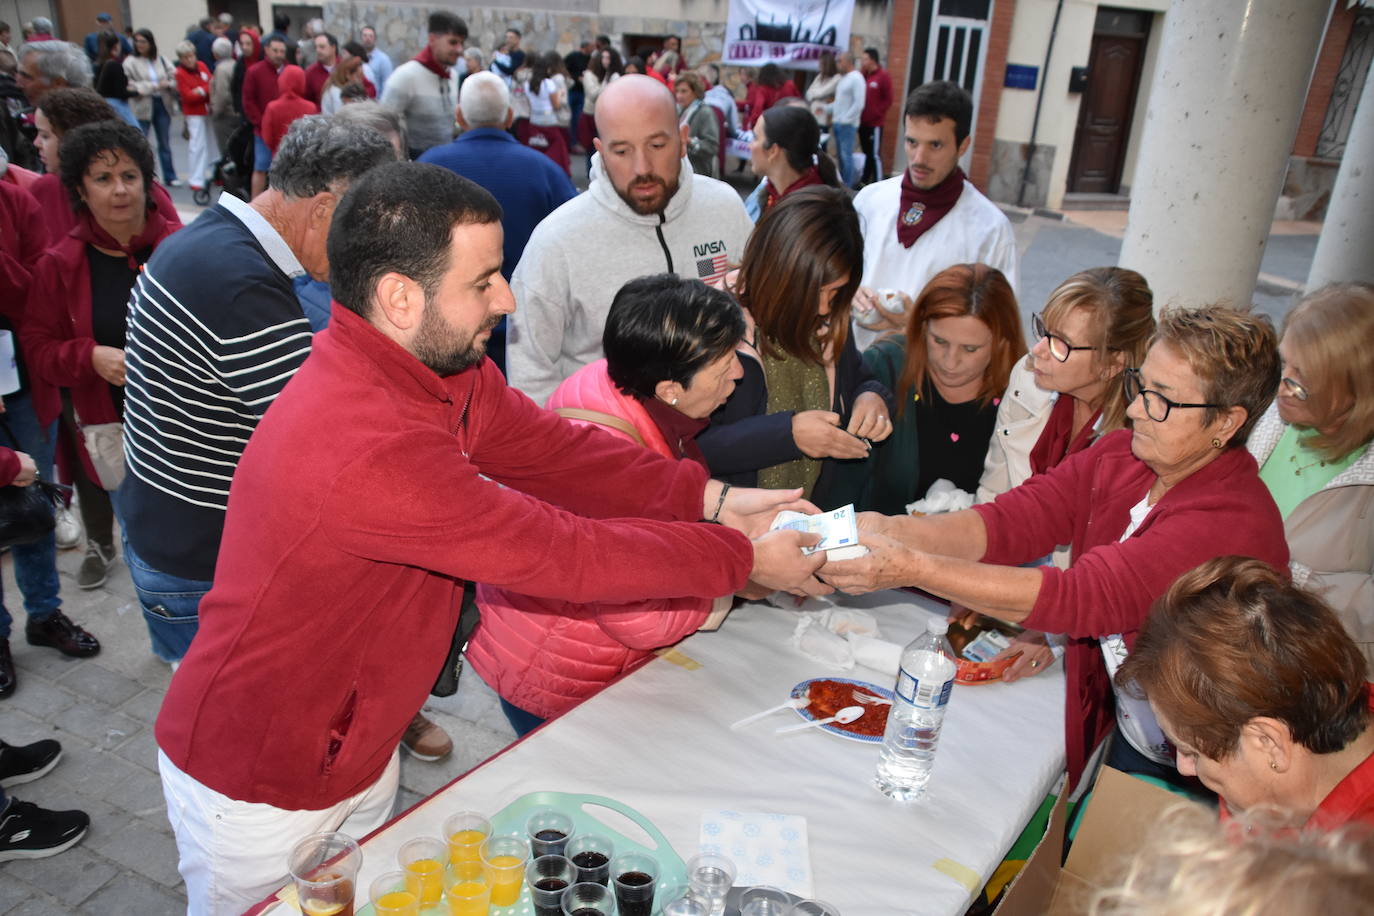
670 361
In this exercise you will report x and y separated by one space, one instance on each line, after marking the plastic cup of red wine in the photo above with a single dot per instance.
548 877
549 831
588 900
592 854
634 877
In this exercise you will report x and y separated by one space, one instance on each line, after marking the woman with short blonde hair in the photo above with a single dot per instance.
1313 447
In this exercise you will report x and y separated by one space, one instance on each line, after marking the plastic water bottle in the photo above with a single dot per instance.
923 687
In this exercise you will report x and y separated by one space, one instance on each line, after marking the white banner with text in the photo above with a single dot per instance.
789 34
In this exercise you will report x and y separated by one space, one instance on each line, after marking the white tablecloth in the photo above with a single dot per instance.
659 741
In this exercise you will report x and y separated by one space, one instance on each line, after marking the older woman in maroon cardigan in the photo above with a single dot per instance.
1144 506
73 328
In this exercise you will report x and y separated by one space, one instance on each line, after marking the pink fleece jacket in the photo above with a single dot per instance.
546 655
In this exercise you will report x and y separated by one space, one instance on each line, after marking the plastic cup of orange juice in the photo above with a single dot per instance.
503 862
423 859
391 896
467 896
466 831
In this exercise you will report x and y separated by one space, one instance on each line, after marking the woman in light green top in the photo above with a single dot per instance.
1313 447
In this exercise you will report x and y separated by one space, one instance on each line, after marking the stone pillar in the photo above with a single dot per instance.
1344 248
1223 114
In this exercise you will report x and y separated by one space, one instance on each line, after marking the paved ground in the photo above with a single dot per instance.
102 709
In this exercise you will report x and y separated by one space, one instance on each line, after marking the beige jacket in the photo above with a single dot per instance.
136 69
1022 415
1331 536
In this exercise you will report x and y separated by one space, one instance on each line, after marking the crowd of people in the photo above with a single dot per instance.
286 412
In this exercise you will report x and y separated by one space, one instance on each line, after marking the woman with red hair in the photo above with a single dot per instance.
948 372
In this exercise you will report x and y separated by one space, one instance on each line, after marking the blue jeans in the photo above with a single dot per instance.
523 722
35 565
262 156
162 123
171 606
844 135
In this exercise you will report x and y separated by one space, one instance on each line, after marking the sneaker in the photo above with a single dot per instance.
424 740
30 832
25 764
68 531
8 679
175 183
95 569
58 632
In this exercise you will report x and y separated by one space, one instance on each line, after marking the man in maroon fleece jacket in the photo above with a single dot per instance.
395 465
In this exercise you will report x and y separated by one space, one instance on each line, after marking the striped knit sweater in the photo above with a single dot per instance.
215 332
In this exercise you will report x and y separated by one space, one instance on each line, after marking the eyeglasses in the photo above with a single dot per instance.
1060 348
1295 389
1157 406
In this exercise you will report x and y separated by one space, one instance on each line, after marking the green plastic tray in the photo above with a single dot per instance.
672 872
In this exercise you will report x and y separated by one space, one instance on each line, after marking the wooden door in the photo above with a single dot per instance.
1104 116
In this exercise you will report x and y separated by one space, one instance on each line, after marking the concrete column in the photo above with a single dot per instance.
1223 114
1344 248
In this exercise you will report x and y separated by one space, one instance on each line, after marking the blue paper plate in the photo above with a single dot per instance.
801 690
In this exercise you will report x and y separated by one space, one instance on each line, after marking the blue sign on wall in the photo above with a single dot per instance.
1021 76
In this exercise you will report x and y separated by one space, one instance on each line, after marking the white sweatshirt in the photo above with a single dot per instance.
427 102
582 253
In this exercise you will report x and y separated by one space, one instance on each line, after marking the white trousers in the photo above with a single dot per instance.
199 155
233 854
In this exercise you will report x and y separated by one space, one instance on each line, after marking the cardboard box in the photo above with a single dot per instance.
1118 818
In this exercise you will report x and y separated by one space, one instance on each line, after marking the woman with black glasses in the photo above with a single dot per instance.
1067 393
1140 508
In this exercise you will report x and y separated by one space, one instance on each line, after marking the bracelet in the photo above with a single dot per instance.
715 516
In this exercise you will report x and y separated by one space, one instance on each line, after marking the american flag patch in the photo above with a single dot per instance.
709 269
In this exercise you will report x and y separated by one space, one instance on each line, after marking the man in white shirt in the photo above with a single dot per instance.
928 218
845 113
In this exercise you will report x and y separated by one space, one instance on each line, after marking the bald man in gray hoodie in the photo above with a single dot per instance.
646 212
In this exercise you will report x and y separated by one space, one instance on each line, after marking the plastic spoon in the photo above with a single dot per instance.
844 717
793 703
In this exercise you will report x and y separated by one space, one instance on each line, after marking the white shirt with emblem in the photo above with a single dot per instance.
974 231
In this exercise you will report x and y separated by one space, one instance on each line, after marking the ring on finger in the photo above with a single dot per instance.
1035 664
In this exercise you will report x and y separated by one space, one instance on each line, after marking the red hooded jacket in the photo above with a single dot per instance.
289 105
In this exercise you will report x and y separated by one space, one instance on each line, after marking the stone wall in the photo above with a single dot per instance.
401 29
1008 167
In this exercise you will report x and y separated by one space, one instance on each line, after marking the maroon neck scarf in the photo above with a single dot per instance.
921 210
1056 441
809 177
90 232
426 59
678 429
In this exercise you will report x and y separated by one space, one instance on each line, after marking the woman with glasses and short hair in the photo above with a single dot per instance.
1139 509
1313 447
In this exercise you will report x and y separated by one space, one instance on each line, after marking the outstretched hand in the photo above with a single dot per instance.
888 564
751 510
780 564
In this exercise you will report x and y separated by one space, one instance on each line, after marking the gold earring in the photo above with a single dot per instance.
1216 442
1273 766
